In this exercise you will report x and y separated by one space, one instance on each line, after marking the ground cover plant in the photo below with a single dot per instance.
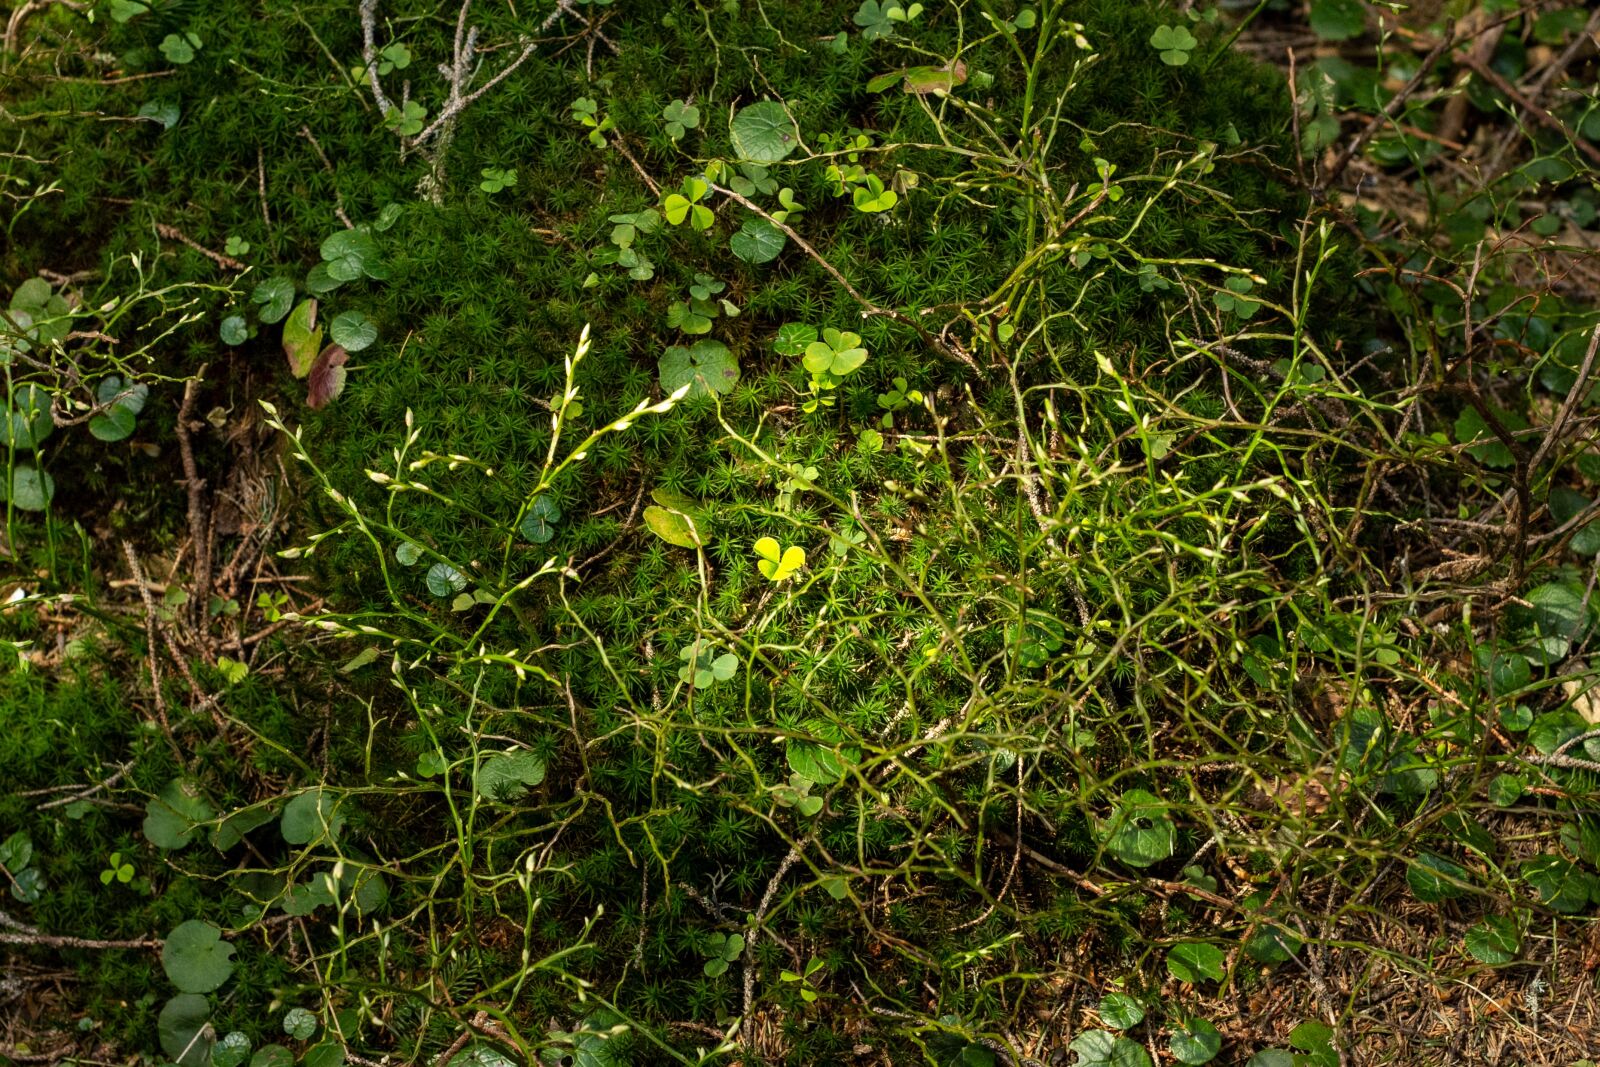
765 532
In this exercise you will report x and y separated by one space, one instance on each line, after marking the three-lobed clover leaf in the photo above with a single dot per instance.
880 18
1174 43
1232 297
407 120
838 353
701 668
179 48
497 178
873 197
722 949
681 117
685 204
777 563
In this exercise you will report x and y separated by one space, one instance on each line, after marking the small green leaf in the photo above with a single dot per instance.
276 297
758 241
183 1030
299 1024
538 524
1101 1048
302 338
1433 878
1195 961
763 133
507 775
174 816
352 331
1195 1042
706 366
1139 832
444 580
196 958
1495 940
311 818
1120 1011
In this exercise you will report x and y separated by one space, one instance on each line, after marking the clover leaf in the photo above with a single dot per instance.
838 353
778 564
700 669
1232 297
681 117
1174 43
873 197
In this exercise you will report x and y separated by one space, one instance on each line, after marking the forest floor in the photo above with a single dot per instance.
750 532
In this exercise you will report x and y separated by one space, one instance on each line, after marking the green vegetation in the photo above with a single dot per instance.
753 532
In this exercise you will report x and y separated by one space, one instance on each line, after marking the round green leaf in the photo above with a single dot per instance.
1505 790
1195 961
299 1024
1561 884
763 133
352 331
445 580
28 420
758 241
507 775
1495 940
234 331
1338 20
1433 878
272 1056
231 1051
276 297
183 1030
1196 1042
324 1054
705 367
1139 831
172 817
196 958
311 818
1120 1011
1100 1048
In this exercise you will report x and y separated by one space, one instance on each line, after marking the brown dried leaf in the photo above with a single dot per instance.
327 376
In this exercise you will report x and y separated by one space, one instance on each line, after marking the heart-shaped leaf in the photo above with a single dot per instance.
311 818
276 297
